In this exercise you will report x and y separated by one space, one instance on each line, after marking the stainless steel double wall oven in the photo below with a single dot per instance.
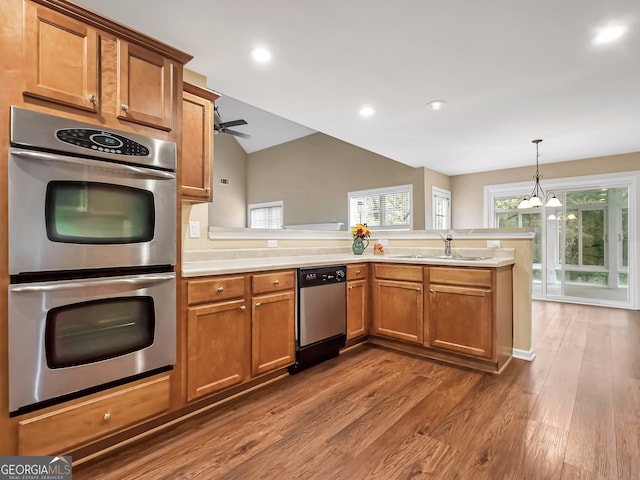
92 251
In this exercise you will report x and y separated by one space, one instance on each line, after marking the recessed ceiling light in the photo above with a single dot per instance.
608 34
261 55
367 111
436 104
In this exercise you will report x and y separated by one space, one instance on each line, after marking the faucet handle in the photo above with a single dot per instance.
449 237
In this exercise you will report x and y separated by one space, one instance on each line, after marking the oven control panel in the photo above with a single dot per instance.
102 141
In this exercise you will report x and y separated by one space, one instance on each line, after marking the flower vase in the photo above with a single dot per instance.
359 245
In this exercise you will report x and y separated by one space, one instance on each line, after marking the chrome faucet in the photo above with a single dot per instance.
447 244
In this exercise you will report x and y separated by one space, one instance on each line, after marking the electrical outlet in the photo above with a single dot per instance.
493 243
272 243
194 229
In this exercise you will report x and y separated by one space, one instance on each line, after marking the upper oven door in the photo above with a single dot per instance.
73 213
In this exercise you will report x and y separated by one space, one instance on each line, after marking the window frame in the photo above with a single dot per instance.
380 192
256 206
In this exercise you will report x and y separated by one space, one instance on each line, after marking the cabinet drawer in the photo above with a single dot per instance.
410 273
357 271
60 430
214 289
460 276
272 282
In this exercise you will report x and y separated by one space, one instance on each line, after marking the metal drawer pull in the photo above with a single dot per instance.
418 289
276 282
220 289
243 308
125 107
258 304
92 98
106 417
357 272
431 290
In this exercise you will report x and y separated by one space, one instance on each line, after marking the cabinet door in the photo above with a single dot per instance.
145 86
397 310
217 348
272 332
197 143
357 309
61 59
460 320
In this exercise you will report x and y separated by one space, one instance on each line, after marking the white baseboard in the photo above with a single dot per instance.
528 355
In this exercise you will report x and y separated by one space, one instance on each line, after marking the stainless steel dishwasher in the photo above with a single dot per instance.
321 326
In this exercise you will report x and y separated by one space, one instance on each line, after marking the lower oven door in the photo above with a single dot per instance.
67 338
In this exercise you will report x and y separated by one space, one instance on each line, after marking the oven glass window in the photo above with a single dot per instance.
98 213
87 332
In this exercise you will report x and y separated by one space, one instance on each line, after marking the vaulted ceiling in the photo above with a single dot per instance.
510 72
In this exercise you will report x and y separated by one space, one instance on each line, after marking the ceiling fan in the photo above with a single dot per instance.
223 127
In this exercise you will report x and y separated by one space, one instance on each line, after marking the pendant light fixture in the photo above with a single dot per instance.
537 197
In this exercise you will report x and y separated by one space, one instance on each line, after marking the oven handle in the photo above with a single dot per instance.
116 167
140 279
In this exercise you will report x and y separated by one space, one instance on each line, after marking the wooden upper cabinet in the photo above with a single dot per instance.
75 58
145 86
197 143
61 59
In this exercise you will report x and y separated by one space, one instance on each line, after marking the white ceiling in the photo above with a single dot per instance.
511 71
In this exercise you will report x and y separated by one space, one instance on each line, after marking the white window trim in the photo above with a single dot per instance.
440 192
252 206
621 179
382 191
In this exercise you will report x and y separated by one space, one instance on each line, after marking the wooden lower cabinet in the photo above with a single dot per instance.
357 301
272 332
470 312
217 345
460 319
398 302
59 431
238 327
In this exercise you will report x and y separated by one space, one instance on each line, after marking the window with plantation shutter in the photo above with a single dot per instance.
266 215
384 208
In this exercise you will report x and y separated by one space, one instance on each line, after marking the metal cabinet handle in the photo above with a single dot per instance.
92 98
258 304
276 282
208 190
418 289
243 308
350 287
357 271
220 289
106 417
125 107
431 290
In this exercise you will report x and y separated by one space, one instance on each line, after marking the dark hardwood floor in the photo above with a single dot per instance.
572 413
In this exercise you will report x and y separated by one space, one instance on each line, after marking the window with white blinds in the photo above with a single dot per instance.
388 208
266 215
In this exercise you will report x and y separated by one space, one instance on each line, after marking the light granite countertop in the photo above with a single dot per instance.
218 262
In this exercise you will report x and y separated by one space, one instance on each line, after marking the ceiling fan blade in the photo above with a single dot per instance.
235 133
232 123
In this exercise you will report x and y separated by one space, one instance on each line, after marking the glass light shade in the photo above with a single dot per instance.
554 202
535 201
525 203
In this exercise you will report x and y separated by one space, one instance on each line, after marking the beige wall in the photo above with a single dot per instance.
467 191
313 175
229 207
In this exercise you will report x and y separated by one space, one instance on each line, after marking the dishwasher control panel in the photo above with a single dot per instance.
309 277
